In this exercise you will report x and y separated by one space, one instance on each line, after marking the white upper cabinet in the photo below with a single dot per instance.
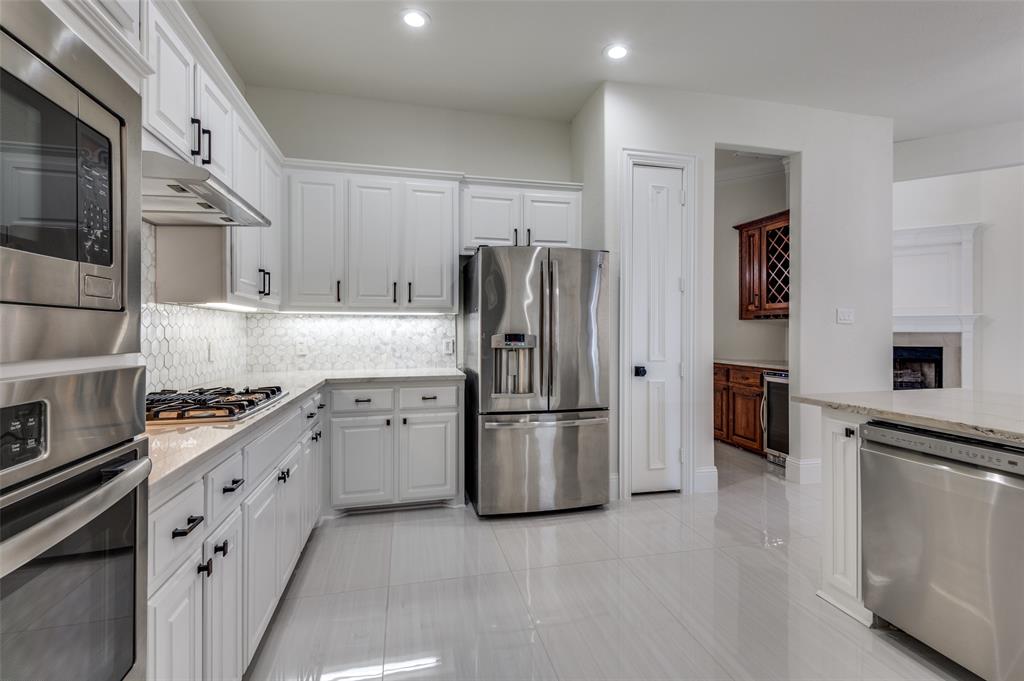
491 216
169 94
551 218
514 216
428 235
246 163
247 274
374 207
216 134
271 260
317 224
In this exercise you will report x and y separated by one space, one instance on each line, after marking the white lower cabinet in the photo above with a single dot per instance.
427 456
224 601
291 534
175 626
260 523
362 460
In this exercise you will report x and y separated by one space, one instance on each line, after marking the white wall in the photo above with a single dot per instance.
996 146
741 196
587 137
996 199
351 129
842 250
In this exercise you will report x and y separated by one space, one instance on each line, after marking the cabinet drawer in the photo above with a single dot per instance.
429 397
721 374
745 376
269 448
174 529
225 486
375 399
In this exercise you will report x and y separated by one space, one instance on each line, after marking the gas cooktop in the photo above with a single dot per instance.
209 404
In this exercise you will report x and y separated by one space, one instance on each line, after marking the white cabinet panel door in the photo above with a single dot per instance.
270 238
292 492
247 279
373 215
175 626
551 218
169 94
317 225
429 237
362 461
223 602
428 456
246 162
491 216
260 528
216 139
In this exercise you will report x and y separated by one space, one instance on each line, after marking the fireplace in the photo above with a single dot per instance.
914 368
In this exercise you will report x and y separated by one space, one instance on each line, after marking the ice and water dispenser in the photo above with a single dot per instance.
513 363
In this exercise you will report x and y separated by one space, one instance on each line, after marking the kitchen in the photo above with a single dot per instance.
387 388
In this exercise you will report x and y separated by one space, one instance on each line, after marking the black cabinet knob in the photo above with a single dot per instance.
206 567
221 548
850 432
639 371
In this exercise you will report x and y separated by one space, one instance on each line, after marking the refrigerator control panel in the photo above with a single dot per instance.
513 340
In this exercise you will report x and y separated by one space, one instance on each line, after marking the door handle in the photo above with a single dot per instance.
639 371
410 291
221 548
763 414
529 237
206 567
233 487
394 292
208 159
515 236
194 521
268 284
263 282
196 135
337 290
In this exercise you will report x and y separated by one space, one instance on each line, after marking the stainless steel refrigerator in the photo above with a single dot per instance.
535 339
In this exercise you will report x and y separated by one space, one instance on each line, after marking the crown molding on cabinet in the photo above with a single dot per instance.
523 184
368 169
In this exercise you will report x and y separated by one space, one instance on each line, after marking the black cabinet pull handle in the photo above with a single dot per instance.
208 159
263 282
394 292
850 432
288 473
233 487
429 397
363 400
319 434
515 236
410 291
405 422
194 521
310 414
221 548
282 476
388 422
529 237
320 406
267 293
337 290
195 151
206 567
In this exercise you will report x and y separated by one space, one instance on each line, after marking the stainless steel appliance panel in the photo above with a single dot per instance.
77 414
576 361
942 551
775 416
509 300
540 462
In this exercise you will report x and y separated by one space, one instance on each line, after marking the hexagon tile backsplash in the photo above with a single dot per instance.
187 346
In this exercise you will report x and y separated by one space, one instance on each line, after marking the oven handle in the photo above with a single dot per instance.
26 545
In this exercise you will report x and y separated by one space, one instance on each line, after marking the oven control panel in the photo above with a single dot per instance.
22 433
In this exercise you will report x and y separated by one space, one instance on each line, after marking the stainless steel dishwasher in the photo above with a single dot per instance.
943 543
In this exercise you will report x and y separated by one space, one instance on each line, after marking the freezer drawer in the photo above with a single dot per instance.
540 462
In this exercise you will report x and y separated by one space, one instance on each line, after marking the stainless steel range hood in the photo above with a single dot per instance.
177 193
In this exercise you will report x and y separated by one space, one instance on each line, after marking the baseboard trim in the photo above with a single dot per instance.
705 479
613 488
803 471
855 610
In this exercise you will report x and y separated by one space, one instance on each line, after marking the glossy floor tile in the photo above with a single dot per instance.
712 586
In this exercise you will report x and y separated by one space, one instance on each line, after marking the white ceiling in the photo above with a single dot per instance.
934 67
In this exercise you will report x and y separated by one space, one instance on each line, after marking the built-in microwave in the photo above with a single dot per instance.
61 222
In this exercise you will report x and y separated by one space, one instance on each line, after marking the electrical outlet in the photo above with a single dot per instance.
845 315
301 349
448 346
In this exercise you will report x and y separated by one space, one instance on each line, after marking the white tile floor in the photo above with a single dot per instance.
714 586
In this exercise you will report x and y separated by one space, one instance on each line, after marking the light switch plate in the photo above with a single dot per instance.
448 346
845 315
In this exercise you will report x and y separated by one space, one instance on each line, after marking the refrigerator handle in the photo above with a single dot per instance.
542 345
552 325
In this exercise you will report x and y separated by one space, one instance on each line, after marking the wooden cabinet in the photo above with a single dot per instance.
738 398
175 626
362 460
224 601
721 410
317 224
169 94
764 267
427 456
512 216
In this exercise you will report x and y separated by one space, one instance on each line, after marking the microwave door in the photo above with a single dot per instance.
578 322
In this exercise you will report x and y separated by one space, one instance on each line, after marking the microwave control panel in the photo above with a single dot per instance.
22 433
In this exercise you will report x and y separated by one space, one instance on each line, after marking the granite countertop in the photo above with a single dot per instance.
992 415
778 365
177 450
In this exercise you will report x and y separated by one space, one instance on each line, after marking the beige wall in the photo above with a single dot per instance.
350 129
738 199
994 198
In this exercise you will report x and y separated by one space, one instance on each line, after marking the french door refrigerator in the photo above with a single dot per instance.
535 335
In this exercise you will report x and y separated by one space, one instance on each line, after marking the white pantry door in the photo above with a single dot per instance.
656 271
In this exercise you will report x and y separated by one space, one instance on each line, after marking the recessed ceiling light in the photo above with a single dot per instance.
416 18
616 51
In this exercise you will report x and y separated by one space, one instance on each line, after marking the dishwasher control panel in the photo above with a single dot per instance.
1008 458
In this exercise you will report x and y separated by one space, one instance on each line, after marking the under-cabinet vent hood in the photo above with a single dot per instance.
175 192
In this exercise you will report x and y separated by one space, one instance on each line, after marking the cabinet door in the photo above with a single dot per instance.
290 531
491 216
246 162
841 541
260 544
270 237
169 94
428 456
175 626
362 461
751 275
551 219
428 268
373 215
216 139
247 278
721 411
776 267
745 417
317 226
223 602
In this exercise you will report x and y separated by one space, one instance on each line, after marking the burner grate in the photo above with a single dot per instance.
208 404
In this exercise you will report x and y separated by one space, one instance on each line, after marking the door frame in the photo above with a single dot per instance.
687 164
